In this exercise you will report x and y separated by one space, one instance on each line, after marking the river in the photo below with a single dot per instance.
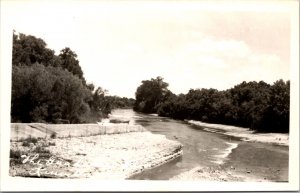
209 149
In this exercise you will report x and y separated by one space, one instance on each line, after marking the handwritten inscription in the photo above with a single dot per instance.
41 166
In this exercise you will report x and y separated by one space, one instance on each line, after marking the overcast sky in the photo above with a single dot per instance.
191 44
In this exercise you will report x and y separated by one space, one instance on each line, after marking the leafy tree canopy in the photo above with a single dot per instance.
149 94
51 88
257 105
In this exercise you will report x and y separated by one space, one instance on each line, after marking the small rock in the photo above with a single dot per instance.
248 172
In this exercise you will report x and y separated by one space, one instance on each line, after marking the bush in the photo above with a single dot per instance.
25 144
45 94
48 87
40 149
53 135
15 156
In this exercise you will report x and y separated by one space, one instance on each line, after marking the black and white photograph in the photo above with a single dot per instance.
149 95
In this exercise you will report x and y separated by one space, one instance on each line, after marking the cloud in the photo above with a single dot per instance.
223 64
121 44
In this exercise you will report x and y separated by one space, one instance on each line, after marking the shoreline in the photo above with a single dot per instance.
244 133
106 152
238 167
247 163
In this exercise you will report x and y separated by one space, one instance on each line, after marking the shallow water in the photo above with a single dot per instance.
201 147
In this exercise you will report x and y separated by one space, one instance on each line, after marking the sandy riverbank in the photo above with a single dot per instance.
114 156
244 133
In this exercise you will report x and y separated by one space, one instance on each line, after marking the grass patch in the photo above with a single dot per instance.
30 140
40 149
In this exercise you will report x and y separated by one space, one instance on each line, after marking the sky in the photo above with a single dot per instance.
191 44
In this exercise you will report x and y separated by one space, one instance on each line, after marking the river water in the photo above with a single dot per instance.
209 149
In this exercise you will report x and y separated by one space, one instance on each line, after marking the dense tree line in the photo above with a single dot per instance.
47 94
51 88
257 105
117 102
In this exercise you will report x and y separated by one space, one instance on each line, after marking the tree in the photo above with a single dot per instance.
69 61
48 88
150 94
28 50
47 94
255 105
278 112
118 102
100 101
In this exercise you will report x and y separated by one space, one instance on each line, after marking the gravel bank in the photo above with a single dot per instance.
116 156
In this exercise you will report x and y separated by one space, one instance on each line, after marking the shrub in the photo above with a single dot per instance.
40 149
49 94
31 140
15 156
53 135
25 144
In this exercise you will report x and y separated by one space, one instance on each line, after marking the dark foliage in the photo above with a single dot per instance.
47 94
51 88
15 157
257 105
150 94
68 60
120 102
28 50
